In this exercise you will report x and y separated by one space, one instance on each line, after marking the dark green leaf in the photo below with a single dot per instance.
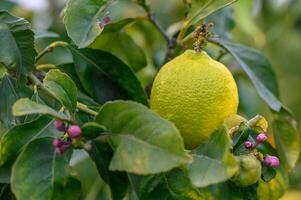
39 171
172 185
121 45
62 86
19 136
259 70
199 9
84 169
105 77
69 189
268 173
144 143
101 153
212 160
18 40
92 130
25 106
286 138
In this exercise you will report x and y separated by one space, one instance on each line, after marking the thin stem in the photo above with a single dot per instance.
50 48
85 109
183 31
155 22
79 105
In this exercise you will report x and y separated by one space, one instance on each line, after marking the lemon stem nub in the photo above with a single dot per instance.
201 35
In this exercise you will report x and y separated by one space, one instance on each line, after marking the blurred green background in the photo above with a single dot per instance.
273 26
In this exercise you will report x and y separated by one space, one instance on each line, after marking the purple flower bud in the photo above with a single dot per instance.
248 144
261 138
271 161
74 131
63 147
57 142
59 125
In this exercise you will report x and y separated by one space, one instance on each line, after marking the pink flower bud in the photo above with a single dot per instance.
248 144
271 161
261 138
74 131
57 142
59 125
63 147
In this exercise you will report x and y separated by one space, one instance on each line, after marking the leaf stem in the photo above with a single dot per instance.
86 109
79 105
50 48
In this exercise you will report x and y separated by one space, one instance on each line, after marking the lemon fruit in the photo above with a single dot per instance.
249 171
196 93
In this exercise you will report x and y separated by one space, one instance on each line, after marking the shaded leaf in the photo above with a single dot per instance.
50 170
171 185
63 87
18 40
101 153
92 130
287 138
25 106
259 70
19 136
105 77
199 9
144 143
212 160
121 45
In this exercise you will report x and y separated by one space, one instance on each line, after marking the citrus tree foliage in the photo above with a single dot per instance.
125 150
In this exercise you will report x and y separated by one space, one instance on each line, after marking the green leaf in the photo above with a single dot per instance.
287 138
101 153
19 136
199 9
105 77
25 106
274 189
62 86
83 17
121 45
18 40
84 169
212 161
92 130
144 143
223 21
69 189
268 173
259 70
171 185
39 172
10 91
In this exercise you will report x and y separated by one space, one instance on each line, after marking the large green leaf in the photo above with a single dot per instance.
259 70
10 91
121 45
199 9
101 153
19 136
25 106
105 77
212 161
144 143
287 138
62 86
18 40
83 18
40 173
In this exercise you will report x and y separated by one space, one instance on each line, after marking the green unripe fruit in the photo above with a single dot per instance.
249 171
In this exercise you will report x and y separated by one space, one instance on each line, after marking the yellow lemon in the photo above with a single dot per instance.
196 93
